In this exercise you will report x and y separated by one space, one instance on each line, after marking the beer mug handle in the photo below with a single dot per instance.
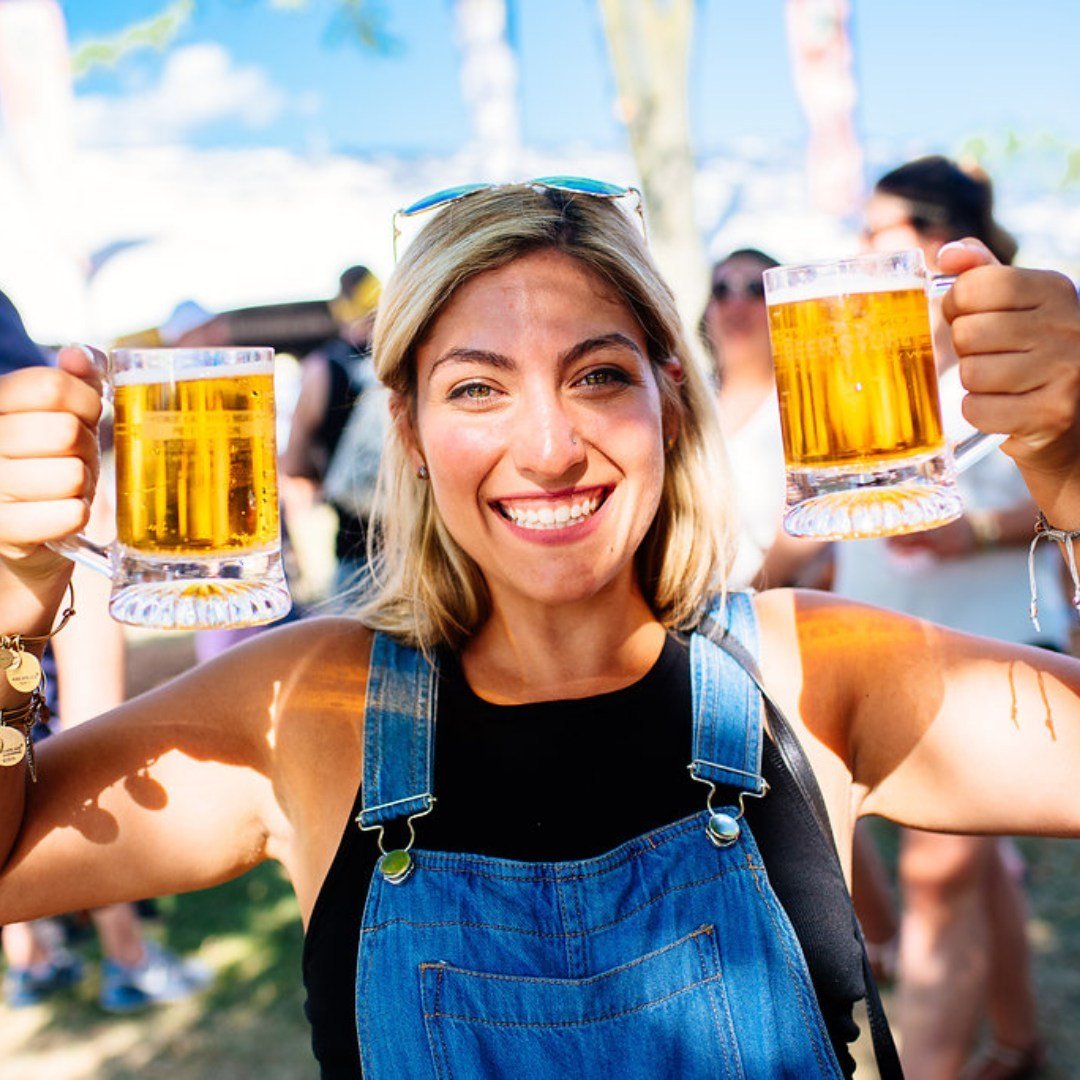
84 552
976 446
78 548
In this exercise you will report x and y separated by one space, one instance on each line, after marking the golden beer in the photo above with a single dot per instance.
855 377
196 460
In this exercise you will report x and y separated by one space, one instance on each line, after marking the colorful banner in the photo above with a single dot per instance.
821 60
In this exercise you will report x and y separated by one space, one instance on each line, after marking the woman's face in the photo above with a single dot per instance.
889 228
736 311
539 418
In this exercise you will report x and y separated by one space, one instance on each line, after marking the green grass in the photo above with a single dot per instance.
249 1023
1053 873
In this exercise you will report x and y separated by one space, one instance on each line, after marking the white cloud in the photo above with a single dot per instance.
199 84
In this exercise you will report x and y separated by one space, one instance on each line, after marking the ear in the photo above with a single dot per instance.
401 416
672 367
671 378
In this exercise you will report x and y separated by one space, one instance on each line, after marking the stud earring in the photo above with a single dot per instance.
669 444
422 473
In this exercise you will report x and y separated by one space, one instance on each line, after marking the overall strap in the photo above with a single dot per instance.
731 637
727 748
399 719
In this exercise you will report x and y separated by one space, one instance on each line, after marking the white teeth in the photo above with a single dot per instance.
556 517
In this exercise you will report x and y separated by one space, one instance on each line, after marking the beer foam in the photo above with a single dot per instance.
147 376
846 285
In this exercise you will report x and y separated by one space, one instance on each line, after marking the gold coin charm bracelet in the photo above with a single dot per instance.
23 672
15 727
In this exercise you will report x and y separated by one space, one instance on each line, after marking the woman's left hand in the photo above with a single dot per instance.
1017 335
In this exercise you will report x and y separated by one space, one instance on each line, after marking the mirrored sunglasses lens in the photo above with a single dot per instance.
441 198
583 185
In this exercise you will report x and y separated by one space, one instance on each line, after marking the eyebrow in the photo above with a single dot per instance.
574 353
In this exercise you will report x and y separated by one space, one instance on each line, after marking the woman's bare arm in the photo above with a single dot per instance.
926 726
239 760
48 469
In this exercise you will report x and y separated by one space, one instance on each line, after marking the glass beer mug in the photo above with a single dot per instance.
198 538
864 446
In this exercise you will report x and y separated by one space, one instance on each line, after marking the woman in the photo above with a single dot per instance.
552 525
963 951
735 329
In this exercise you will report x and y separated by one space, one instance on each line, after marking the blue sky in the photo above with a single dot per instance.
930 74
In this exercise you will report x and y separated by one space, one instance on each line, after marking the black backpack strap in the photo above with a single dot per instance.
802 772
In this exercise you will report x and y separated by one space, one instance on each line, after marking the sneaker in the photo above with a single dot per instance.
27 986
162 977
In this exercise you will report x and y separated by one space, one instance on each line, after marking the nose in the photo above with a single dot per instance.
547 445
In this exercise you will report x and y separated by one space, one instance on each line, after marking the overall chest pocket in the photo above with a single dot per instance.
662 1015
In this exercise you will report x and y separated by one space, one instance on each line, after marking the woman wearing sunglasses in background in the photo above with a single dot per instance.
735 329
541 887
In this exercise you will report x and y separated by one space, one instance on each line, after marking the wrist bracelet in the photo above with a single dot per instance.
16 641
1065 537
23 672
16 725
23 669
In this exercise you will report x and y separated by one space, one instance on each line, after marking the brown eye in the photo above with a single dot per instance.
603 377
473 391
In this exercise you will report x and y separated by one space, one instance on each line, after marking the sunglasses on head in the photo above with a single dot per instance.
751 290
572 185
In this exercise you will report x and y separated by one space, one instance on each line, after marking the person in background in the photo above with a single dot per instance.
963 952
333 377
735 329
86 677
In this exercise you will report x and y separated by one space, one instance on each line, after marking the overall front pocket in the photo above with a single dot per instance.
662 1015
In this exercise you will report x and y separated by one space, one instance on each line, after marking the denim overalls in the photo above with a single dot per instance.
669 956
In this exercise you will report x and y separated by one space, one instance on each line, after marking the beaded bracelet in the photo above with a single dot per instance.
1065 537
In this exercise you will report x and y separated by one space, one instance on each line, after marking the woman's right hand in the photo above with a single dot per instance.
48 458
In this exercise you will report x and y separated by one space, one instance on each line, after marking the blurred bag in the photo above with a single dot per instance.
354 467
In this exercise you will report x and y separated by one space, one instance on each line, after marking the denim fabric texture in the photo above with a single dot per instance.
399 715
666 957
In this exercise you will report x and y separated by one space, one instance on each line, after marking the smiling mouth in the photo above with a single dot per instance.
553 512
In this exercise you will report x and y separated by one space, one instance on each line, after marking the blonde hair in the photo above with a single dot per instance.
425 590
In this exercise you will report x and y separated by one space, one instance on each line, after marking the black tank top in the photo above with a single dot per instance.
570 780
